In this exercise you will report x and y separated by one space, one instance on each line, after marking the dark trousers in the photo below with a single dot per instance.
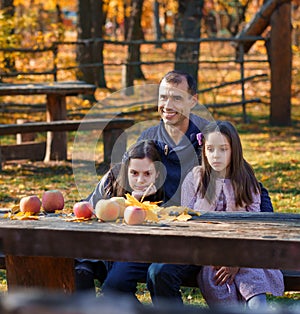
164 281
123 277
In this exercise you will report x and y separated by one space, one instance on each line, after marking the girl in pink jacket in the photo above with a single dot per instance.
226 182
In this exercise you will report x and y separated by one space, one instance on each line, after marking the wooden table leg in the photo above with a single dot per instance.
56 148
50 273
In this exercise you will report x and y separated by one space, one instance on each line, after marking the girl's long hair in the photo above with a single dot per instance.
143 149
240 171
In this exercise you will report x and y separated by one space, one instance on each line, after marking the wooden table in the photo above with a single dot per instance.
56 94
40 253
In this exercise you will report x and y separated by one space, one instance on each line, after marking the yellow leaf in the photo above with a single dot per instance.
151 216
15 209
150 207
24 216
132 201
184 217
167 217
76 219
29 218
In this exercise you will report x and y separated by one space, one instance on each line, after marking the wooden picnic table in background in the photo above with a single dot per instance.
56 93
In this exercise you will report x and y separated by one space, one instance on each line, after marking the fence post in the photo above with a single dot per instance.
281 65
240 60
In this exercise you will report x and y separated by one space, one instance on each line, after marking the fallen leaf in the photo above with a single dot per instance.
183 217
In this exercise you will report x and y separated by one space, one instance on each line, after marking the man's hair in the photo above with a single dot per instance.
176 77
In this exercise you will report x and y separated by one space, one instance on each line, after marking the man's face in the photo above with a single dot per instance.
175 103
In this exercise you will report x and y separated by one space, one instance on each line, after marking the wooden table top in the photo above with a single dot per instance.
269 240
57 88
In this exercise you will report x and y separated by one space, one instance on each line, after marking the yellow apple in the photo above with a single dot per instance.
107 210
122 202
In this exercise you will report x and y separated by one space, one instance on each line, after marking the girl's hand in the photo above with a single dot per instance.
225 275
139 194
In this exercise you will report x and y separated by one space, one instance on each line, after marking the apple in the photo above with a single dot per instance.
134 215
52 200
122 202
83 209
107 210
30 204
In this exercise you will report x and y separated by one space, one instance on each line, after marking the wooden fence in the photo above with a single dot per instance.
57 65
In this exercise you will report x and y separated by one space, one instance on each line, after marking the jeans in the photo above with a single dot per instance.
164 281
123 277
88 270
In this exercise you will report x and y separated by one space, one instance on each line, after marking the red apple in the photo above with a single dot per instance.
107 210
134 215
83 209
52 200
30 204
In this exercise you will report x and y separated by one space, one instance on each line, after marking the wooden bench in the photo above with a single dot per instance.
291 278
56 108
112 129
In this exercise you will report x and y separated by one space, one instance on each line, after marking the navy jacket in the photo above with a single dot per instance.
178 159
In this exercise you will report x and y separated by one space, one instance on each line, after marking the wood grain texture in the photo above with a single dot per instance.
237 240
36 271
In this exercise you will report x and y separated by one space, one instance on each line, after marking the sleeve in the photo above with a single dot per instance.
144 136
149 134
188 190
265 204
98 192
255 206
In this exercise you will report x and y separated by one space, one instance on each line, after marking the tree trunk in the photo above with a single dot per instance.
91 20
188 26
157 28
134 33
7 5
259 22
281 65
98 22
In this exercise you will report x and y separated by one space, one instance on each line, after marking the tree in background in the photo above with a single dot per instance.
9 10
156 24
188 26
134 32
91 21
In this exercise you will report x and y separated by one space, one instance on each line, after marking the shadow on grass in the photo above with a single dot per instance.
49 168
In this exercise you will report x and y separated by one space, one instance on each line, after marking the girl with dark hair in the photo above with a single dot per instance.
226 182
140 170
141 174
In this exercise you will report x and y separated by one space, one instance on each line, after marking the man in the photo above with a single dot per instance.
179 148
175 134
